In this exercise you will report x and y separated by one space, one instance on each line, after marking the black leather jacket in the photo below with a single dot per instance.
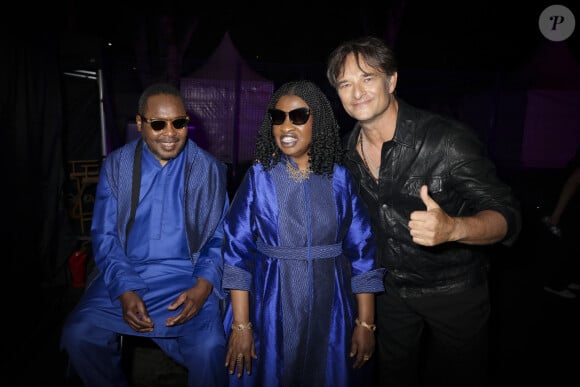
448 157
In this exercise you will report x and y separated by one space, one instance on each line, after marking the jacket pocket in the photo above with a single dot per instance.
413 185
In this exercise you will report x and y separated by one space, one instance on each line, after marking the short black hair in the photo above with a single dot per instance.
156 89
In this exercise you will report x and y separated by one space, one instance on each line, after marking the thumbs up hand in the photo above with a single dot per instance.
432 226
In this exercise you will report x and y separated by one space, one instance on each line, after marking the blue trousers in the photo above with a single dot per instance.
95 356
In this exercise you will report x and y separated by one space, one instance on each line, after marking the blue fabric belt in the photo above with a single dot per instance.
303 253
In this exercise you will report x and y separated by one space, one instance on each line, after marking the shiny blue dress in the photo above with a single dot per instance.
302 249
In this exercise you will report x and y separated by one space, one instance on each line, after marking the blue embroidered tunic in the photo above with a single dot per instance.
176 237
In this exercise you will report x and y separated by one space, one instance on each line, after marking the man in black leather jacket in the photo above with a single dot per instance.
436 204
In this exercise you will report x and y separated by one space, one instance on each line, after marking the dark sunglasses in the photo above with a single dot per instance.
297 116
158 124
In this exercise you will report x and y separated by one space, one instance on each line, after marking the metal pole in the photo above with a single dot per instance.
102 112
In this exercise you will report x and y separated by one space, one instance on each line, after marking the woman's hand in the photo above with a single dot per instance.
241 349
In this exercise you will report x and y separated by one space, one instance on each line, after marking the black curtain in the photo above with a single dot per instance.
82 121
38 237
51 118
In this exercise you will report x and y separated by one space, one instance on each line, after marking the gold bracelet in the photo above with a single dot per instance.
370 327
241 327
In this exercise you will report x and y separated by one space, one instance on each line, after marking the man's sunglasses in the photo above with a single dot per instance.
297 116
158 124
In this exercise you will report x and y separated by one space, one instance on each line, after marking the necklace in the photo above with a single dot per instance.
362 151
297 174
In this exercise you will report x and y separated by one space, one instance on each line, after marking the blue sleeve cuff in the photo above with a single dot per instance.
210 273
369 282
236 278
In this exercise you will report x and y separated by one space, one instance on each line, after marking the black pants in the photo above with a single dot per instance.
437 340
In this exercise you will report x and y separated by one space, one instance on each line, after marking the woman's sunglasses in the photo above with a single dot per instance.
158 124
297 116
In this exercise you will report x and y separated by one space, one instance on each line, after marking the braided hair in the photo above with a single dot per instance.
325 149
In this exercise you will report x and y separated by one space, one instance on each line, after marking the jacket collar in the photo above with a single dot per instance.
405 131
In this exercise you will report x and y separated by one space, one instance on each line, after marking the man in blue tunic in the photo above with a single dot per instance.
157 232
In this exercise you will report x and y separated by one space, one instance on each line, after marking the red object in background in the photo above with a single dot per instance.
77 264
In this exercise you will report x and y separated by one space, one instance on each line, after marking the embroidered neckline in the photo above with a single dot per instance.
297 174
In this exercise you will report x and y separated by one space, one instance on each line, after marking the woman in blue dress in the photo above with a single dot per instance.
299 255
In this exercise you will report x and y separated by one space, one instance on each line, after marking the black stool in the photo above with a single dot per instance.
146 365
